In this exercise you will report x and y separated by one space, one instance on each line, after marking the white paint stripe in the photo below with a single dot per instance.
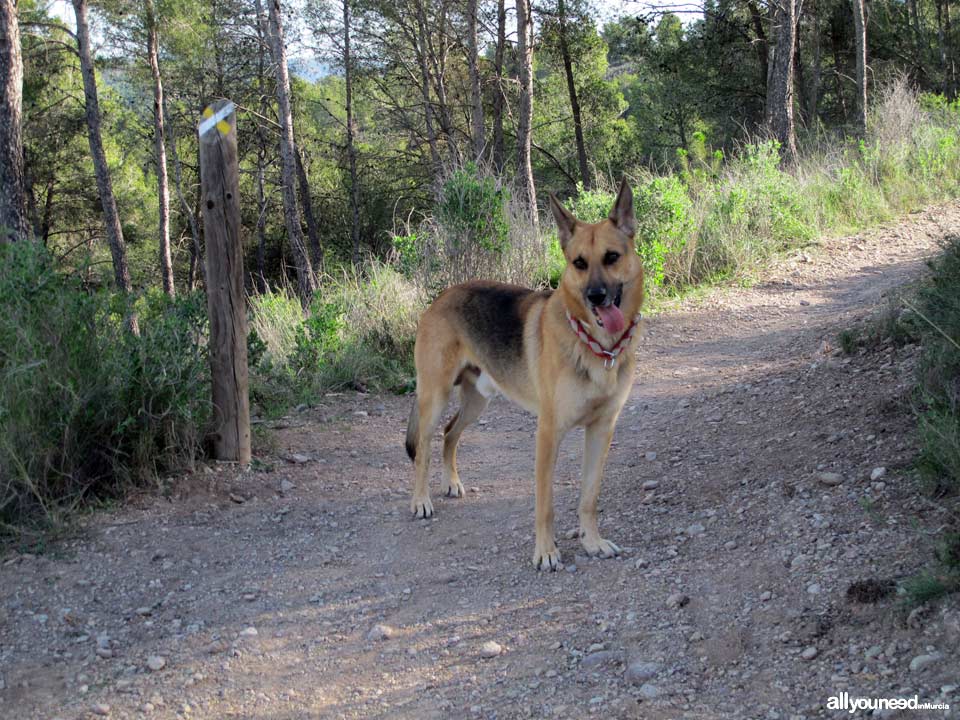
211 122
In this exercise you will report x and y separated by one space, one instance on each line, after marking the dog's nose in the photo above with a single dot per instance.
597 295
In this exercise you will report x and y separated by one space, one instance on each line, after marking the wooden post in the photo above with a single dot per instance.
226 301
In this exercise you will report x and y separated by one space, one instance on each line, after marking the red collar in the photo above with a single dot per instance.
609 356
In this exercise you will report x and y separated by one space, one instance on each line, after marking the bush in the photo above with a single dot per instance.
472 210
86 408
359 332
939 308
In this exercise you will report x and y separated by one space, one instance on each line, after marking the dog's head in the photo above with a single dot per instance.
602 284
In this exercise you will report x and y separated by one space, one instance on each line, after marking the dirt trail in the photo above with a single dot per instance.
261 593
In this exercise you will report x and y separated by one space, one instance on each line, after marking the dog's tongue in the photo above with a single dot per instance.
612 318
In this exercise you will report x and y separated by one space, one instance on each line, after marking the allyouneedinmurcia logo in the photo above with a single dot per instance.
843 701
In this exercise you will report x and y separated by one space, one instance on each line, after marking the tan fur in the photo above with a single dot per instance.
556 376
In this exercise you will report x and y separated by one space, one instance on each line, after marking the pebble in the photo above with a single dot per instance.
922 661
651 456
830 479
381 632
299 458
490 649
695 529
599 658
877 473
765 595
101 709
156 662
249 632
809 653
677 600
649 692
651 485
639 671
286 486
813 588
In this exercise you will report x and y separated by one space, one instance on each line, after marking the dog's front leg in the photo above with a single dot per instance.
546 556
596 443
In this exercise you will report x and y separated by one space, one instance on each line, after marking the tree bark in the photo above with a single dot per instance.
163 186
813 90
476 98
306 281
525 120
761 45
196 253
13 209
780 87
860 27
499 96
351 147
111 217
313 232
425 90
574 100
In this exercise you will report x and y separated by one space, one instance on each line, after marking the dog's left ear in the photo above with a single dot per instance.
621 214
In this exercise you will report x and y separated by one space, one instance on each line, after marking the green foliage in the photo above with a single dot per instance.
359 332
472 209
939 312
665 223
87 408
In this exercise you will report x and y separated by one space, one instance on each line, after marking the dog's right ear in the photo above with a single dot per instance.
566 222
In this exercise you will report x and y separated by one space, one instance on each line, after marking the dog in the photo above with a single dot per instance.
565 355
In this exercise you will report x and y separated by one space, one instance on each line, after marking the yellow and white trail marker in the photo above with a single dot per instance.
216 119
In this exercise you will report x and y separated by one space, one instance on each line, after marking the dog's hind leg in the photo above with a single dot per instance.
472 405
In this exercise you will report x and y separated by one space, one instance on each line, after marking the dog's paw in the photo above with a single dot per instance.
453 489
598 547
546 556
422 508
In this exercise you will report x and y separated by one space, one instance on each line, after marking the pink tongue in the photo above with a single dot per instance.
612 318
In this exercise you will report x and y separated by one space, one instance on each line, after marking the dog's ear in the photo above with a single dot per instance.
566 222
621 214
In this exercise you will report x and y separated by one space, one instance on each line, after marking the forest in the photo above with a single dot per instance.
389 149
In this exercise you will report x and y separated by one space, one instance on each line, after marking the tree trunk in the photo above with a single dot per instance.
813 90
111 217
476 98
425 90
163 188
836 47
780 87
13 208
313 232
761 45
288 155
499 96
799 85
525 120
860 27
351 147
196 254
261 278
574 100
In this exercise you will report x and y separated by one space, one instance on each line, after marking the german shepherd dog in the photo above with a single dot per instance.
565 355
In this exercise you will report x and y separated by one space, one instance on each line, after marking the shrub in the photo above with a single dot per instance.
359 332
86 408
472 210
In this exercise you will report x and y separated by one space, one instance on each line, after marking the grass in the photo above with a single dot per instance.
930 314
87 409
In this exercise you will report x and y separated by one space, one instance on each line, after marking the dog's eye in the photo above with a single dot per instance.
580 264
610 258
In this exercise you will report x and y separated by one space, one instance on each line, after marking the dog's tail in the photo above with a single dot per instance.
413 430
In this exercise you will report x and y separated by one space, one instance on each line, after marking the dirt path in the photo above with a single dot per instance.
267 593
